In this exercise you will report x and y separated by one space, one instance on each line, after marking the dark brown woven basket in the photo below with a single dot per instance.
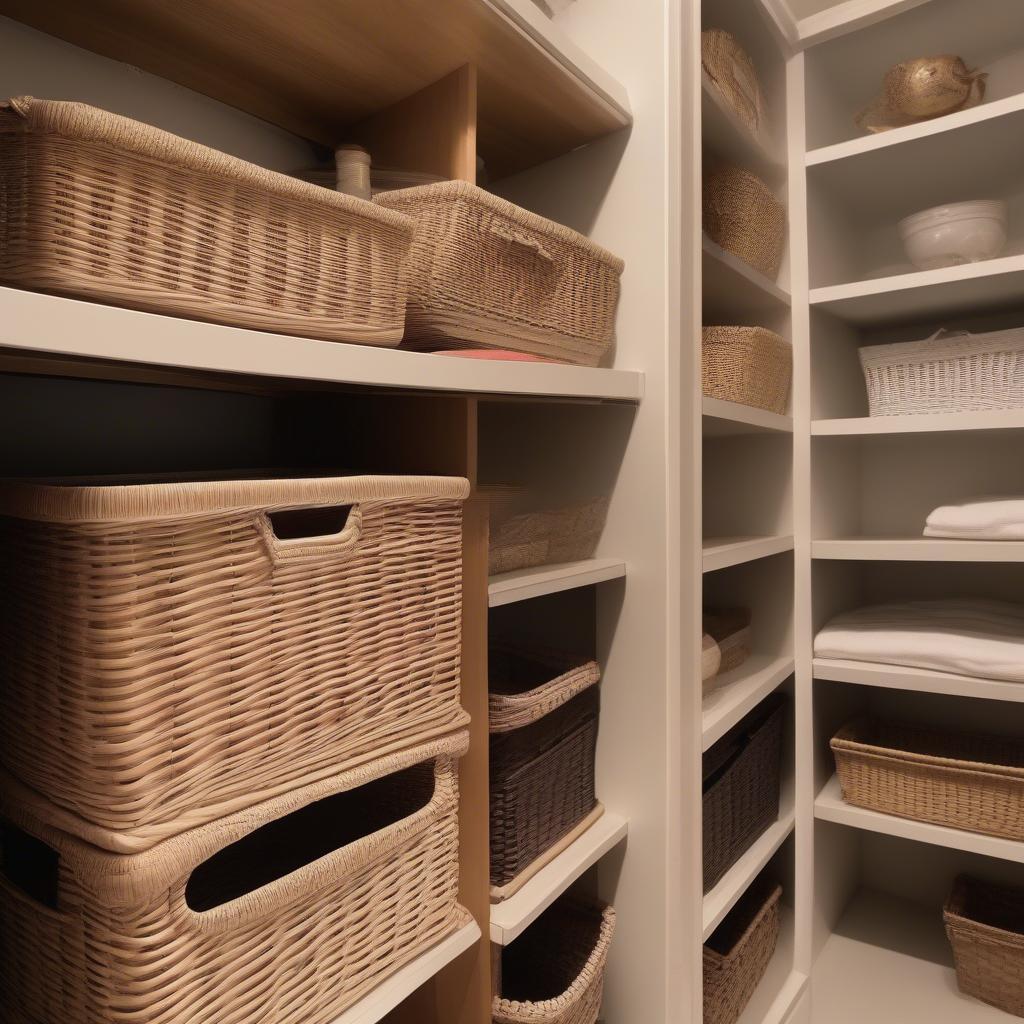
742 774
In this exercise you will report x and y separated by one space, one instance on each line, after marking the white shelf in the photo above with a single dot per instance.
830 806
510 918
523 584
841 18
36 323
723 552
781 985
740 691
386 996
722 419
897 677
725 134
952 422
918 549
733 291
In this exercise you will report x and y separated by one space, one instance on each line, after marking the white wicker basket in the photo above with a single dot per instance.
946 373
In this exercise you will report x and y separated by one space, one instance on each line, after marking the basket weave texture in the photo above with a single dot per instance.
729 66
738 953
99 206
744 218
731 630
241 920
946 373
985 927
970 782
748 365
170 659
487 274
741 779
554 972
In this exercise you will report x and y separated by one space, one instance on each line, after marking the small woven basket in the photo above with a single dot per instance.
731 630
747 365
744 218
985 927
970 782
554 972
729 66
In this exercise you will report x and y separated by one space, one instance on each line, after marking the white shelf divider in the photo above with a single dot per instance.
732 288
523 584
953 422
511 917
723 552
898 677
726 418
918 549
740 691
729 137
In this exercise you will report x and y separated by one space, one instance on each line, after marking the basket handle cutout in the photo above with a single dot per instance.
523 241
312 534
30 866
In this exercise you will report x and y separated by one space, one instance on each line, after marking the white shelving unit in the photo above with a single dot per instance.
740 691
918 549
919 680
723 552
723 419
524 584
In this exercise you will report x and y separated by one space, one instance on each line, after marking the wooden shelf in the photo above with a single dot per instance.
898 677
918 549
510 918
733 291
728 137
781 985
523 584
723 419
328 66
723 552
953 422
740 691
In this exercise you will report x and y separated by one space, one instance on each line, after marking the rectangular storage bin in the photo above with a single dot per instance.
285 913
554 972
485 273
964 781
731 631
543 712
97 206
741 780
738 953
733 74
747 365
742 216
178 651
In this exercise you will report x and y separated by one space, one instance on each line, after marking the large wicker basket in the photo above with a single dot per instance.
738 953
970 782
985 926
747 365
285 913
488 274
744 218
741 780
554 972
543 725
733 73
102 207
176 652
946 373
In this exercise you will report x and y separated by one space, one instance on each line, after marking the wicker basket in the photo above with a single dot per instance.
985 926
285 913
748 365
975 783
554 972
710 661
733 73
543 725
102 207
730 628
176 652
946 373
741 780
487 274
744 218
738 953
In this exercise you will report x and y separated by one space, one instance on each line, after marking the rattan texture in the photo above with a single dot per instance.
946 374
485 273
744 218
731 630
729 66
554 972
99 206
169 660
742 774
320 907
738 953
965 781
985 927
747 365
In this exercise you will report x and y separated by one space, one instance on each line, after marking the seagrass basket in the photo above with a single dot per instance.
97 206
733 74
485 273
985 927
730 628
175 652
747 365
743 216
554 972
960 780
285 913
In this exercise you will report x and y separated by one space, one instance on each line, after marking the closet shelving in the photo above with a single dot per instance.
724 552
900 678
723 418
524 584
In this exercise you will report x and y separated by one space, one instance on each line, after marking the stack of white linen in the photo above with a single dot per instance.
979 519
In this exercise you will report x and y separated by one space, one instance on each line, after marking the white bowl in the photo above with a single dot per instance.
946 236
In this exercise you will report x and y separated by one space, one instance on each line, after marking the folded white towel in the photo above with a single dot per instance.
979 519
967 637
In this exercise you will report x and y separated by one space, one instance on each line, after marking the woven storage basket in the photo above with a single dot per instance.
730 628
729 66
741 779
487 274
975 783
985 926
946 373
543 725
174 652
285 913
738 953
748 365
744 218
554 972
102 207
